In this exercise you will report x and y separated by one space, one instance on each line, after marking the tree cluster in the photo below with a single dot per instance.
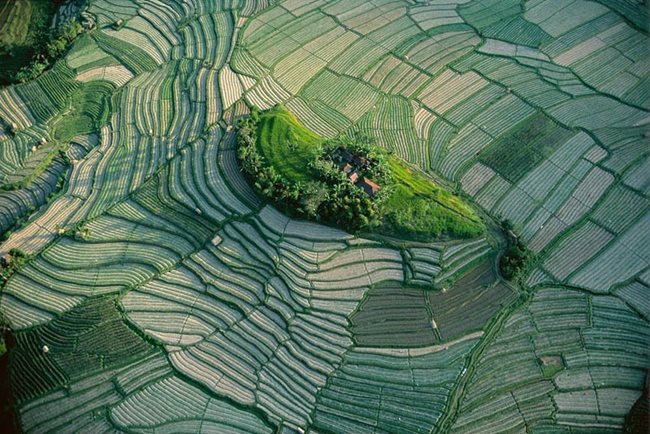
10 263
516 257
330 197
48 53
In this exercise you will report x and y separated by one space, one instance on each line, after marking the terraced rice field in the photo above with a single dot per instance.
160 294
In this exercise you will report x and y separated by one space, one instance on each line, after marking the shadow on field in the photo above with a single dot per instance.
8 420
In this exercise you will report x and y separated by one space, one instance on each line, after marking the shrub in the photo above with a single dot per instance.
59 40
516 257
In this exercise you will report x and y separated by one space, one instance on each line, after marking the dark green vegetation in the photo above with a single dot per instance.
27 44
8 419
516 257
397 316
638 419
60 40
89 338
23 25
301 173
522 148
90 109
10 263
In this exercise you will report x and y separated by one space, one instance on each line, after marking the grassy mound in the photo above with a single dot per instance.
409 205
419 208
286 144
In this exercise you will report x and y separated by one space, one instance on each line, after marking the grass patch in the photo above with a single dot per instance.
518 151
550 365
418 208
15 17
550 371
286 144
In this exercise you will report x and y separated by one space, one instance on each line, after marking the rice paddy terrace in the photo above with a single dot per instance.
157 293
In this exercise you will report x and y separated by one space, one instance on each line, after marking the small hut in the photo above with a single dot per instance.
369 186
6 259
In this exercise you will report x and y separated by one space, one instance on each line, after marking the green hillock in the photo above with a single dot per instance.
303 174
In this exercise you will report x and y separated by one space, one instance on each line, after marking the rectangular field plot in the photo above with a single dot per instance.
429 17
557 18
399 391
624 258
394 317
534 139
470 302
576 249
449 89
349 97
436 52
